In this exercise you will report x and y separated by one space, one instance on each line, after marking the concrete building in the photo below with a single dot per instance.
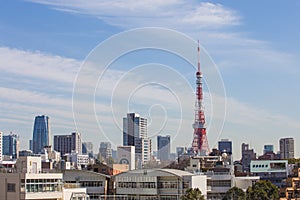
11 145
135 134
105 150
225 146
126 155
247 156
96 184
293 192
77 161
273 170
157 183
28 183
68 143
286 146
219 171
163 147
41 133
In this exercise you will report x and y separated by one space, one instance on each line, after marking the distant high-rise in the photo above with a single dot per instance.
10 145
0 146
268 148
41 134
225 146
135 134
105 150
247 156
68 143
88 149
163 147
286 146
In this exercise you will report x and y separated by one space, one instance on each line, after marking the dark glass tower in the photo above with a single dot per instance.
41 133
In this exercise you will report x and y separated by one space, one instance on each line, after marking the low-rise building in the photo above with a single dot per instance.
273 170
157 183
95 183
27 182
293 192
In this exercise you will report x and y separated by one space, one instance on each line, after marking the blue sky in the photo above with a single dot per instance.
254 45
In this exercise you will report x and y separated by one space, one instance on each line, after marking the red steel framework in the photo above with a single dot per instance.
200 142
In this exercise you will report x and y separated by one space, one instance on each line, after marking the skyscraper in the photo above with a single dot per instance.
286 146
135 134
41 133
88 149
10 145
68 143
225 146
163 147
105 150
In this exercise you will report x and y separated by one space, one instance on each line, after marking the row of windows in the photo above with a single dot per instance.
91 183
167 185
41 187
41 180
136 184
219 183
259 166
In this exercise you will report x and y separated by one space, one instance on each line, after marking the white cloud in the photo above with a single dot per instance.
162 13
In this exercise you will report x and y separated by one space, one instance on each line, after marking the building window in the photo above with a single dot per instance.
11 187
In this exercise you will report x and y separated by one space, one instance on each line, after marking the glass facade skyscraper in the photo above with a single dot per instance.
41 133
163 147
11 145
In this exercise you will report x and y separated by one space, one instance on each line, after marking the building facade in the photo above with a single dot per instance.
273 170
68 143
88 148
157 184
10 145
105 150
41 133
126 155
225 146
286 146
27 182
163 147
135 134
247 156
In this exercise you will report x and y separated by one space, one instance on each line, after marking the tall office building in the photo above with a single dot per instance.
0 146
163 147
41 134
247 156
225 146
10 145
105 150
88 149
135 134
68 143
286 146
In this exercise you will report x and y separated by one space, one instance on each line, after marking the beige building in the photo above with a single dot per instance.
26 182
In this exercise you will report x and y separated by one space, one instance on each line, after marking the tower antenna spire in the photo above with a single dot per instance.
200 142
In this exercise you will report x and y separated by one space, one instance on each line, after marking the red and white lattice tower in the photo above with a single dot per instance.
200 142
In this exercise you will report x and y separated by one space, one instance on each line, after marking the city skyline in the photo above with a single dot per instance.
256 55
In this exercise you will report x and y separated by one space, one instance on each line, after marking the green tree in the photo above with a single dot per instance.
192 194
235 193
263 190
